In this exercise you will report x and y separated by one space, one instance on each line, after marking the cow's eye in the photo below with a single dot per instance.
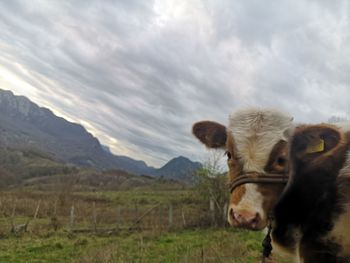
228 154
281 161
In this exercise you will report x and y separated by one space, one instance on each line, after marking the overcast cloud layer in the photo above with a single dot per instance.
137 74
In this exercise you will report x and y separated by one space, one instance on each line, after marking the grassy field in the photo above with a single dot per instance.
205 245
188 239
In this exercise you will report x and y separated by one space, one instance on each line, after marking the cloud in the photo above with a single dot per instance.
137 74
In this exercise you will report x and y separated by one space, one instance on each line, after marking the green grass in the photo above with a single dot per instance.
205 245
34 249
210 245
157 244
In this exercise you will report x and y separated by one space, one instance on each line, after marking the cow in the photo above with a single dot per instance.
255 141
312 216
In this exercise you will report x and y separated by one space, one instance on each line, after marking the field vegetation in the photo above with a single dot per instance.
81 215
117 238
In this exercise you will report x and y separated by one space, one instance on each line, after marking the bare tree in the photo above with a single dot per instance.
211 185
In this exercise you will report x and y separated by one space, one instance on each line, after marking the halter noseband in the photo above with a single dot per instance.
258 178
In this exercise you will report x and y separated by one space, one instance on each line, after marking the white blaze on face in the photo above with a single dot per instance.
255 133
252 200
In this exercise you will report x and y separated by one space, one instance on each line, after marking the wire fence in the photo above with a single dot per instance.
27 215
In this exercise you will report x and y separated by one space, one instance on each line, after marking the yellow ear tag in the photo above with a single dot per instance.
315 146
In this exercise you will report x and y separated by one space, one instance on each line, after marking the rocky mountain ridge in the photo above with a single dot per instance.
23 124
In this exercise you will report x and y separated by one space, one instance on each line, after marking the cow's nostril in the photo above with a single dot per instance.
238 217
246 218
255 221
256 218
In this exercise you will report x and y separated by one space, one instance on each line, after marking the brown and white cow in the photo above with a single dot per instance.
312 216
255 141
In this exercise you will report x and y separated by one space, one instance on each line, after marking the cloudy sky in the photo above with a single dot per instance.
137 74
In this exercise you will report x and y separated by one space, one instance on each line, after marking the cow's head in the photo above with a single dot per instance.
255 141
310 200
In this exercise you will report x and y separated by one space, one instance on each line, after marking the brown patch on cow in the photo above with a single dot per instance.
311 201
212 134
234 169
331 160
232 161
278 162
237 194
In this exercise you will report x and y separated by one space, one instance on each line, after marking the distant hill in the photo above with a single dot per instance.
25 125
180 168
33 170
114 180
17 166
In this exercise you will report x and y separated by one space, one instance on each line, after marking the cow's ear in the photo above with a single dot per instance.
315 140
212 134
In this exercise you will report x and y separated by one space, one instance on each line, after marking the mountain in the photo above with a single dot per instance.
25 125
106 148
180 168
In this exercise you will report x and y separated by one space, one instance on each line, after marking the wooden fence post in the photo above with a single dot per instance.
224 214
119 221
37 210
13 216
94 217
171 215
25 226
160 217
54 219
212 211
71 218
55 208
136 209
183 217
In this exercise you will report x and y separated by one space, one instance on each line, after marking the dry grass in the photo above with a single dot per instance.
106 210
